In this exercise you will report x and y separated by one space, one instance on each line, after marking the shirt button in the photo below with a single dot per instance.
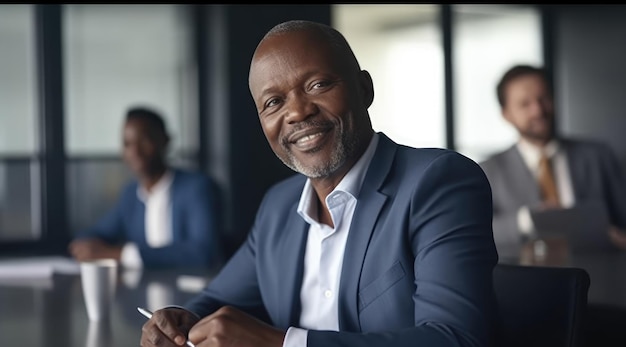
328 293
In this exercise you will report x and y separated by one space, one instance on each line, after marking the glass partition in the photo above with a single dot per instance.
488 39
401 47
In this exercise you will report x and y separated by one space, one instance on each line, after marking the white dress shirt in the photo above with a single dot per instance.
158 220
324 251
531 155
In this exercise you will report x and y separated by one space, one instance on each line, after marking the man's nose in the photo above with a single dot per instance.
537 110
300 108
133 151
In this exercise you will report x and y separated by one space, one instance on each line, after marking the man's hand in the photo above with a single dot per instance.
230 327
168 327
548 251
549 205
92 248
618 237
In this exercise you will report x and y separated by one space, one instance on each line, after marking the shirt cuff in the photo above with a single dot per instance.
130 257
295 337
525 222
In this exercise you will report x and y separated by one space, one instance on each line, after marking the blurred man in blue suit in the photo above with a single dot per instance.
166 217
372 243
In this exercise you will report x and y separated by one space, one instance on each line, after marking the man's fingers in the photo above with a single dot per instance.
79 252
618 238
151 336
82 252
167 323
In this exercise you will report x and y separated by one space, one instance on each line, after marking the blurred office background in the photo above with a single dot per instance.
69 72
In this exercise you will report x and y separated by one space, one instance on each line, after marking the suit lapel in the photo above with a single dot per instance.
138 220
175 207
294 246
576 169
523 178
369 205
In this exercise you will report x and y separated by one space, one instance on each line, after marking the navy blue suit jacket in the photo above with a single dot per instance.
195 223
417 268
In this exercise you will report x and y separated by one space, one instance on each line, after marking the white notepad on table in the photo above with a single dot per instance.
21 268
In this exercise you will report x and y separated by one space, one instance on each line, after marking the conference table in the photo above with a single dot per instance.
607 269
53 314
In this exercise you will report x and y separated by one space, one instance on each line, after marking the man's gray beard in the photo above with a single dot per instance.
346 147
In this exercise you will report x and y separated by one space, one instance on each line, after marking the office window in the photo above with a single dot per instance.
115 57
19 161
487 40
93 187
19 199
18 81
400 45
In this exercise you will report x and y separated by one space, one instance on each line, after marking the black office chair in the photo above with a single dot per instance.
605 326
540 306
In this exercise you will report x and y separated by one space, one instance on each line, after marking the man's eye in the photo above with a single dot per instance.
272 102
319 85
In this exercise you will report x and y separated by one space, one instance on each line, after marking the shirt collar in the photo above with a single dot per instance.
162 185
351 183
532 153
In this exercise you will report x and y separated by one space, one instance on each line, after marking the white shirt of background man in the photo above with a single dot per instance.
158 220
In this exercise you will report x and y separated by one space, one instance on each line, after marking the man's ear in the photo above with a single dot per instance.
367 88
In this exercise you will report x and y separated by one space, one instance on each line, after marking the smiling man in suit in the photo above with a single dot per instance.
544 172
371 243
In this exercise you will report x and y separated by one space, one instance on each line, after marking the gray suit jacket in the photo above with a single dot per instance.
596 176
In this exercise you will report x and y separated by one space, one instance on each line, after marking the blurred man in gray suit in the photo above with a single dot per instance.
544 172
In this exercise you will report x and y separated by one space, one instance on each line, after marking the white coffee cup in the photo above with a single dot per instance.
99 281
99 334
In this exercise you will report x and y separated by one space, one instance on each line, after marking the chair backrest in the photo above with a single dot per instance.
540 306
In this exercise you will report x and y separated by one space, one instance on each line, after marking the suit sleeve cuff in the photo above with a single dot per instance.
295 337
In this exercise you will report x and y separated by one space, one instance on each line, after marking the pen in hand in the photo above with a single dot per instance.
148 315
